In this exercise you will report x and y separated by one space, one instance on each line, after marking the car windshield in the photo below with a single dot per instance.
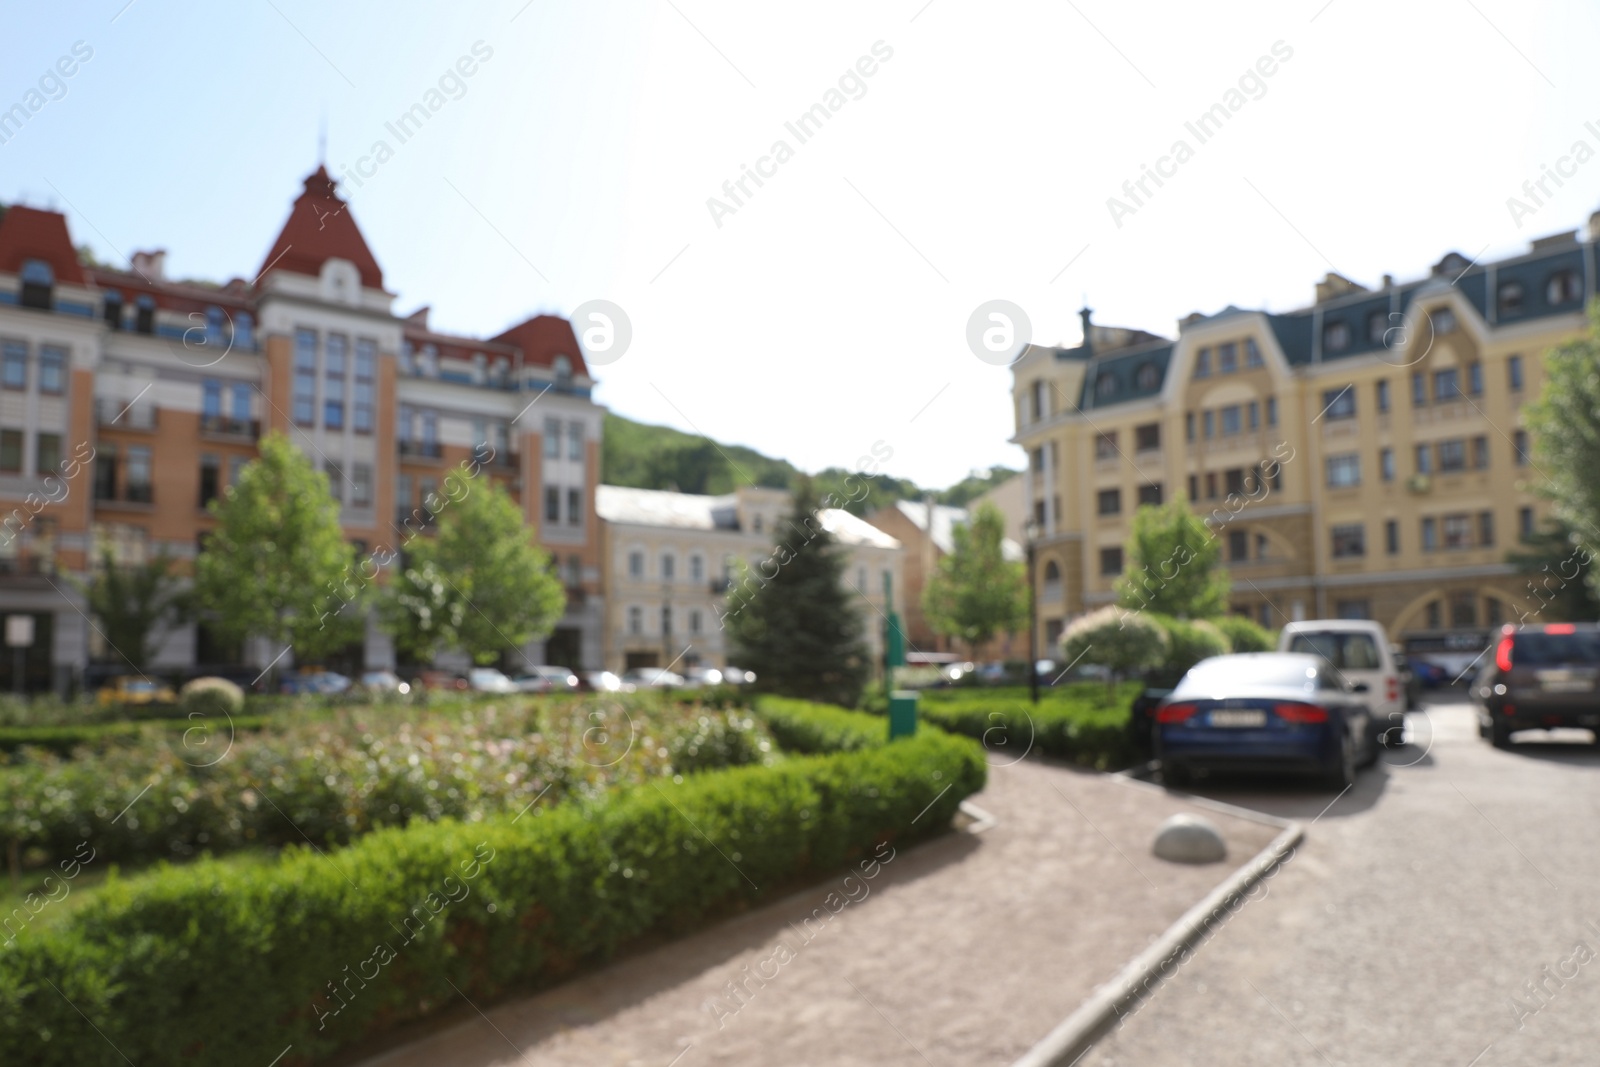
1548 649
140 687
1225 673
1346 651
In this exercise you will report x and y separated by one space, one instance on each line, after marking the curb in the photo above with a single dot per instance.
981 820
1078 1033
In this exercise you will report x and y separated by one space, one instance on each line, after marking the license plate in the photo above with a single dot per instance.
1236 719
1566 685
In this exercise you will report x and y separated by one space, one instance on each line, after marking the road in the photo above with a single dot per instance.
1411 925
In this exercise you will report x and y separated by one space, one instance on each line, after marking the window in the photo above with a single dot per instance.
244 331
1211 485
1150 494
552 504
1524 523
1147 437
366 372
210 400
1052 581
14 365
1377 327
11 451
1514 373
52 369
214 320
1435 615
1194 488
305 376
1474 379
1485 529
1148 377
112 309
1336 336
1509 298
137 486
1339 403
1463 609
1105 384
1234 480
635 621
1272 411
361 488
1519 448
1563 287
574 440
430 431
1252 353
1188 426
1480 452
1452 456
1109 502
694 622
241 401
1238 546
552 438
1036 459
1344 471
235 468
666 619
697 568
669 567
1419 389
1424 459
1209 418
1228 358
1383 395
635 564
38 278
1386 464
1110 562
1352 609
1349 540
144 315
1202 363
46 453
1443 320
1253 415
1391 537
1457 531
334 357
335 479
1446 384
574 507
1430 534
1230 420
1492 612
1036 401
210 479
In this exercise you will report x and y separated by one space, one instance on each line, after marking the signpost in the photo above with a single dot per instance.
902 705
19 637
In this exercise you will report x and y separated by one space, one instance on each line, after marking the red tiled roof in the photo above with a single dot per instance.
543 338
320 228
28 233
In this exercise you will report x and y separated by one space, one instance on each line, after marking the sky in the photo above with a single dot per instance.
970 153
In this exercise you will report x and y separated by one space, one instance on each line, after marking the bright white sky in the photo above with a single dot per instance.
831 308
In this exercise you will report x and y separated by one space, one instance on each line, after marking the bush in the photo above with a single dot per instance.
224 962
1244 635
801 726
1120 640
1188 642
1086 724
212 697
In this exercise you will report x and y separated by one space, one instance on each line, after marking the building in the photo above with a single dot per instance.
1362 457
128 400
1008 498
672 558
927 531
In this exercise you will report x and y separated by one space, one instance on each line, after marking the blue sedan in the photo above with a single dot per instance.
1264 711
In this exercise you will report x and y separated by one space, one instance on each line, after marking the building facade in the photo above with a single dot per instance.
672 559
1362 457
129 400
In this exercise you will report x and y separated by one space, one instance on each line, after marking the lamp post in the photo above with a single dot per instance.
1030 531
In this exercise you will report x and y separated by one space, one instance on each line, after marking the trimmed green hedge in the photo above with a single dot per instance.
63 739
227 962
1084 724
804 726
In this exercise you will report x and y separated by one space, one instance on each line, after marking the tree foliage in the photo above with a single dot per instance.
1566 423
1174 565
1123 642
1561 584
276 551
1188 642
975 592
135 606
1244 635
793 622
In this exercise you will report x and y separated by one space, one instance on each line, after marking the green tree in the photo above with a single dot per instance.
1244 635
1559 569
1174 565
793 622
1188 642
1124 642
1566 423
975 592
135 605
482 585
269 567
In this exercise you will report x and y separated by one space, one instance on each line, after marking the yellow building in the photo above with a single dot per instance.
1363 457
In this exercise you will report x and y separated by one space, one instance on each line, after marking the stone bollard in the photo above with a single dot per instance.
1190 839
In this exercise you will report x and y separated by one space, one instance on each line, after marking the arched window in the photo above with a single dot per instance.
1052 581
563 370
1563 287
1105 384
1377 327
1336 336
38 280
1509 298
1149 376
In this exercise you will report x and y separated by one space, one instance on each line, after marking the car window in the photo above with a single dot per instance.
1346 651
1549 650
1231 672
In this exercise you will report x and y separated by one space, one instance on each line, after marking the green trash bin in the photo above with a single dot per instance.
902 713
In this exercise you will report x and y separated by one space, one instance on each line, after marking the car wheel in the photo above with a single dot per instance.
1500 735
1343 775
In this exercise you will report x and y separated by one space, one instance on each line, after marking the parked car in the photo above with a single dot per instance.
1539 678
737 676
652 677
1410 681
443 681
130 690
489 680
546 680
1359 649
313 681
697 676
605 682
384 682
1430 674
1265 711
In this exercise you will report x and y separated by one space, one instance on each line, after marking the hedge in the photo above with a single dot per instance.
227 962
62 740
804 726
1085 724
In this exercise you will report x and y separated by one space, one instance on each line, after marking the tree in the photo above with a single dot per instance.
136 605
1173 565
1121 641
1244 635
482 585
1566 422
975 592
1561 584
793 622
277 550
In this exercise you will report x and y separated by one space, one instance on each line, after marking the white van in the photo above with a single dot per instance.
1359 649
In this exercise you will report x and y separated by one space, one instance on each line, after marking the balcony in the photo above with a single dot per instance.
224 426
140 495
120 415
417 519
420 449
27 566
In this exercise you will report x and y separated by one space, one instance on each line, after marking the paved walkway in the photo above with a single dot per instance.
962 951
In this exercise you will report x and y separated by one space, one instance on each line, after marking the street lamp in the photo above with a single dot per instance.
1030 533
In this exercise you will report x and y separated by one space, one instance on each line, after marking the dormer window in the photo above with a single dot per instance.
1444 320
1377 327
1509 298
1105 385
1148 377
1336 336
144 320
1564 287
38 283
112 309
563 370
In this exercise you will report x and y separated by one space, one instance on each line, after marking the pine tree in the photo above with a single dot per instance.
793 622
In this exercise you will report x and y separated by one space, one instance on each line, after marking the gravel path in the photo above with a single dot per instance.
965 950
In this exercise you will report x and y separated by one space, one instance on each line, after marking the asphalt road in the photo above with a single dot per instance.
1412 925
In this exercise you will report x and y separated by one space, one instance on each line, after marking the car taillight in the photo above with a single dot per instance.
1392 691
1508 709
1561 628
1300 713
1502 654
1176 712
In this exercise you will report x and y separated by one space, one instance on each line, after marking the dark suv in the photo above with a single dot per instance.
1539 678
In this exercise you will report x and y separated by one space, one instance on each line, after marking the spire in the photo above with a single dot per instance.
1083 316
